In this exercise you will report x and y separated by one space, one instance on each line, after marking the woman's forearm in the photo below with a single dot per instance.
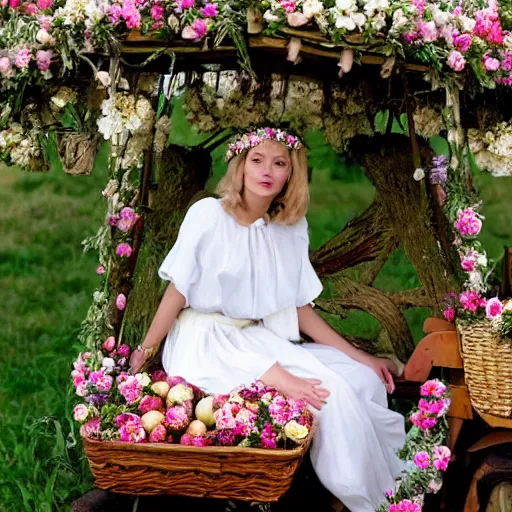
314 326
170 306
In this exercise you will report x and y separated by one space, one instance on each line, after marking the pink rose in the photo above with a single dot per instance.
44 4
23 58
121 301
463 42
123 350
109 344
44 58
150 403
456 61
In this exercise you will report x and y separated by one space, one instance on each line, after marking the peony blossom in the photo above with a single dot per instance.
131 389
150 403
422 460
124 250
121 301
109 344
101 380
468 223
493 308
30 9
491 64
127 218
158 434
157 12
91 428
123 350
80 413
22 58
44 4
456 61
442 456
176 418
462 42
196 31
132 432
449 314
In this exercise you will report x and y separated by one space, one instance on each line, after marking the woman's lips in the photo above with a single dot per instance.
266 184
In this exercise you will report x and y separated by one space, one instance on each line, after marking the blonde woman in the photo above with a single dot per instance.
241 288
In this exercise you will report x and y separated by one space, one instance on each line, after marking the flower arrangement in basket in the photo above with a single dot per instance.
484 321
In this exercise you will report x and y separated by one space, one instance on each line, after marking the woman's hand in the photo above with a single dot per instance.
137 361
381 368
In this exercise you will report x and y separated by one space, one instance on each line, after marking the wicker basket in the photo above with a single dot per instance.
487 368
251 474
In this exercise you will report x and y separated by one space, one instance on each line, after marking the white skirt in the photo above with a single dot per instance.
354 449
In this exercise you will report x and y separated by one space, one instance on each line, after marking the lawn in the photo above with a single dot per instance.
47 281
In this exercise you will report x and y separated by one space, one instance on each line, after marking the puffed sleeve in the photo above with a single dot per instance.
310 286
182 266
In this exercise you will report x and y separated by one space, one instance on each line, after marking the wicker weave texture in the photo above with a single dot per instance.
487 368
249 474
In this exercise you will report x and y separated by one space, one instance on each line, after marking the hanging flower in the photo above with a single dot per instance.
121 301
100 270
124 250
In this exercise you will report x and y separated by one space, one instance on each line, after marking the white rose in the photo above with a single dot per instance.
295 431
143 379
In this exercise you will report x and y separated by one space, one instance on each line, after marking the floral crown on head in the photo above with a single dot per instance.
250 139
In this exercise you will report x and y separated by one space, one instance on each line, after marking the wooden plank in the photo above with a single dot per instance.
496 421
461 403
436 349
492 439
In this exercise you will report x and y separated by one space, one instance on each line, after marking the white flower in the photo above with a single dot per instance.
475 281
108 363
345 22
103 77
467 24
441 18
399 20
373 6
143 379
312 8
44 37
419 174
270 17
482 260
346 5
379 21
359 19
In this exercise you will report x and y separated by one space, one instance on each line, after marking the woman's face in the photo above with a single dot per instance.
267 168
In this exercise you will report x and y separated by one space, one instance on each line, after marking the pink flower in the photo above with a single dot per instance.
127 417
288 5
410 36
80 413
176 418
44 4
157 12
209 11
456 61
467 223
471 301
196 31
109 344
159 375
433 388
449 314
422 460
158 434
44 59
45 22
201 441
124 250
150 403
428 423
127 218
468 264
114 13
493 308
427 30
462 42
100 270
491 64
30 9
132 432
442 456
436 407
130 389
102 381
157 25
14 4
405 506
389 493
131 14
91 428
123 350
113 220
185 4
186 439
121 301
5 66
268 437
23 58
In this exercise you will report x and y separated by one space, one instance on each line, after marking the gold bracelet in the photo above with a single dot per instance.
146 351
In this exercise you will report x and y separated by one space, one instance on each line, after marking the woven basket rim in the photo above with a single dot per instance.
278 453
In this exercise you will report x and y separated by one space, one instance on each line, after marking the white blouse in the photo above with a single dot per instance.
253 271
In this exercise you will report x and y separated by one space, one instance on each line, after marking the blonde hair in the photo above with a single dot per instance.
288 207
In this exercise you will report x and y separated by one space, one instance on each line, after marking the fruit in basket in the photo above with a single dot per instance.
161 388
196 428
204 411
179 394
151 419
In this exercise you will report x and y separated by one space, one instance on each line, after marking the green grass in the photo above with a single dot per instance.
46 284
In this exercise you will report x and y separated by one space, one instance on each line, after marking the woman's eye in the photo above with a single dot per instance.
256 160
281 164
